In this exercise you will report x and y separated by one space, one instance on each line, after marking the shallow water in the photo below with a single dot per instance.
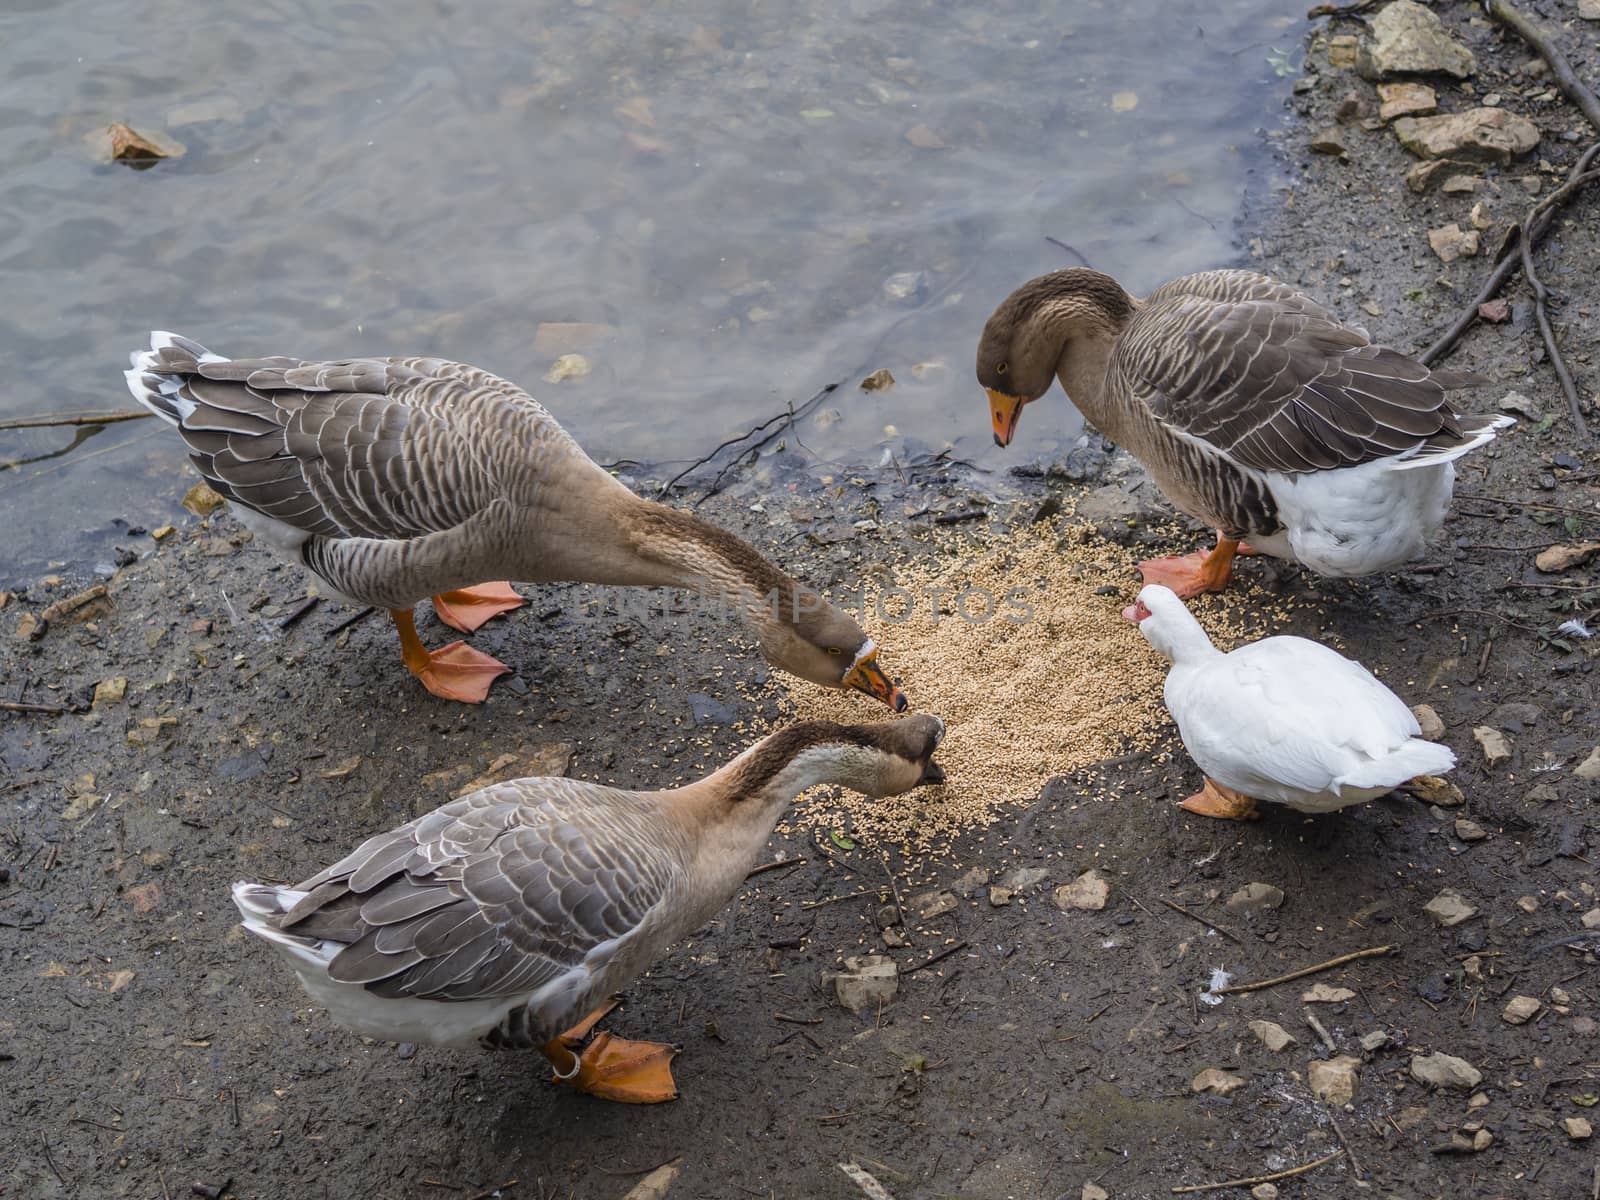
725 188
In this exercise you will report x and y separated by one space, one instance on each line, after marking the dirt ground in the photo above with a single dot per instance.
146 1045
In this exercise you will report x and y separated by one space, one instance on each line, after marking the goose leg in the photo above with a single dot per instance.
1214 800
453 672
468 608
1190 574
610 1067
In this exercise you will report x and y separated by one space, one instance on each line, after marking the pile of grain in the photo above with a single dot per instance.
1022 700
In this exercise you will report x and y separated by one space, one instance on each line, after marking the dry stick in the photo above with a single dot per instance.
110 418
1566 78
20 706
1541 297
1194 916
894 888
1345 1142
1228 1183
1304 971
1311 1020
1505 268
939 957
776 865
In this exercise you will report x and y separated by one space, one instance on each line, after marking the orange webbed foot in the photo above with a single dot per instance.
467 609
614 1068
1214 800
1190 574
453 672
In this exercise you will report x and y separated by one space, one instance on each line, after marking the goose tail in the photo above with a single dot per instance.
156 377
1414 757
1475 431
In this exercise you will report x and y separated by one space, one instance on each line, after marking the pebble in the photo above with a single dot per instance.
1265 1191
1445 1070
1322 993
1493 135
1449 908
1329 141
929 905
1374 1041
1272 1035
1450 242
1405 100
568 366
1589 768
1214 1080
110 691
1496 746
1469 831
1428 719
1591 919
1458 185
1093 1191
1087 893
1334 1080
1343 51
1407 39
866 982
967 885
1517 403
1578 1129
1519 1010
999 897
1528 904
878 380
1254 898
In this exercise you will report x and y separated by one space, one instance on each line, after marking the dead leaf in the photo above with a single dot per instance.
924 138
654 1185
201 500
144 898
1124 101
638 109
87 605
1564 558
120 143
568 366
344 770
117 980
1321 993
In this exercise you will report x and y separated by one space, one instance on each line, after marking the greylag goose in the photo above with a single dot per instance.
392 479
1254 408
1283 719
503 916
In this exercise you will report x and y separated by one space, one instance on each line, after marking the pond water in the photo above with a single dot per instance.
720 206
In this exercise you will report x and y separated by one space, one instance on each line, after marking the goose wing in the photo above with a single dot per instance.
494 894
1266 377
387 448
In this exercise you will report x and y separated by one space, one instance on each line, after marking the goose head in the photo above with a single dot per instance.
824 645
1168 625
877 760
1027 341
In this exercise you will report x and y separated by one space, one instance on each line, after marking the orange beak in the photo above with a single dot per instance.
867 676
1004 410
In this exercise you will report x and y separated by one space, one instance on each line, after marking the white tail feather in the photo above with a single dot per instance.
1432 458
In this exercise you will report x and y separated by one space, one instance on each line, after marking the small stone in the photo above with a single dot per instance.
120 143
1560 995
894 939
110 691
1496 745
1529 905
1553 559
1254 898
568 366
1264 1191
999 897
966 886
1478 1100
1408 39
1374 1041
1021 878
1589 10
1589 768
1329 141
1457 185
1492 135
1482 1139
1470 831
1495 312
1087 893
88 605
1432 728
929 905
1405 100
878 380
1519 1010
1410 1117
1422 176
1591 919
1479 216
1585 1027
1445 1070
866 983
1342 52
1334 1080
1272 1035
1519 405
1093 1191
1448 908
924 138
162 532
1351 105
201 500
1322 993
1450 242
1213 1080
1577 1128
30 628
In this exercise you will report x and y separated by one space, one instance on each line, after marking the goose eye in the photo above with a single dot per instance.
834 650
1000 370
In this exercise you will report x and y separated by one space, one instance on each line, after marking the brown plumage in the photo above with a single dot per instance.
1254 408
397 479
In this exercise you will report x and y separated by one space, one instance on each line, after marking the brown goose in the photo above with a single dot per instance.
394 479
502 917
1254 409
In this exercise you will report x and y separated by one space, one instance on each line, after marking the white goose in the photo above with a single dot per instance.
1283 719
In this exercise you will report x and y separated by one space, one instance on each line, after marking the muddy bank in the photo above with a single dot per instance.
145 1045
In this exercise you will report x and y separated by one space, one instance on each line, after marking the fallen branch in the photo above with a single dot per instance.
110 418
1246 1182
1541 313
939 957
19 706
784 420
775 865
1082 261
1566 78
1194 916
1304 971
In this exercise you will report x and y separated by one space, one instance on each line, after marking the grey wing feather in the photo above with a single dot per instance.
1275 382
493 894
374 448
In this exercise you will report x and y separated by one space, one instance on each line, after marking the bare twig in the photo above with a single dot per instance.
1194 916
1592 514
1082 261
894 888
1371 952
784 420
775 865
1566 78
1345 1142
349 621
863 1179
299 613
939 957
19 706
1321 1032
1229 1183
1541 313
110 418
